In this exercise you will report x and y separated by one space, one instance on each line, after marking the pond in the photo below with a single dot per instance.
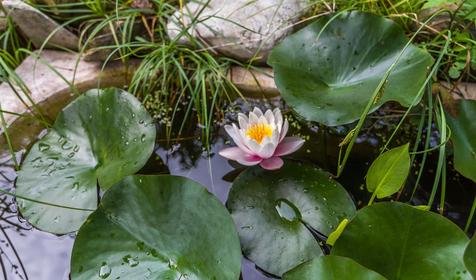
28 253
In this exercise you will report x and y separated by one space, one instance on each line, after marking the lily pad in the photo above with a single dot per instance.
328 71
463 137
401 242
331 268
100 138
470 256
157 227
272 208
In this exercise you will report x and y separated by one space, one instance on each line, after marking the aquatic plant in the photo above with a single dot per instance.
261 139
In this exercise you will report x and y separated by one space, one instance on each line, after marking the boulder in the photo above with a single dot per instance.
254 82
45 91
242 29
38 27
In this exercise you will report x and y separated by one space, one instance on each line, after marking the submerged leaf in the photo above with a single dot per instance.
463 137
328 71
272 211
157 227
388 172
101 137
401 242
331 268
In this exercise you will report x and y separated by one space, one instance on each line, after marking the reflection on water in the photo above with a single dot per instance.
27 253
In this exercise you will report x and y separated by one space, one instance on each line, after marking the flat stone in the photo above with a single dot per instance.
254 82
37 26
453 92
50 91
242 29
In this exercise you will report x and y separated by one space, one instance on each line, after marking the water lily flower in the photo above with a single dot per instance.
260 139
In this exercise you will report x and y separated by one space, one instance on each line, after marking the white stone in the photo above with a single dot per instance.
38 26
48 91
242 29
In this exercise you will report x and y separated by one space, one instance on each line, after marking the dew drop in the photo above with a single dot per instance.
287 210
104 271
172 264
43 147
131 261
142 138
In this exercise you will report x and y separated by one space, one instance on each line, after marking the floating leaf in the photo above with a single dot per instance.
101 137
463 137
272 208
328 71
157 227
401 242
331 268
389 171
470 256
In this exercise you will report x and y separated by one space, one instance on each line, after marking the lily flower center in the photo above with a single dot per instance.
259 131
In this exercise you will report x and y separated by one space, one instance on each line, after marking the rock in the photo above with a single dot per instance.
3 21
50 92
38 26
440 22
451 93
255 82
242 29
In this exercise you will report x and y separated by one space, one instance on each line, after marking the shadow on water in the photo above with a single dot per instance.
43 256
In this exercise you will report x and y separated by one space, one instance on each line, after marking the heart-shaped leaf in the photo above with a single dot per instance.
328 71
331 268
157 227
101 137
470 256
388 172
401 242
463 137
272 211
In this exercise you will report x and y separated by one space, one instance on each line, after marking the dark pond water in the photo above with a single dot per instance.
27 253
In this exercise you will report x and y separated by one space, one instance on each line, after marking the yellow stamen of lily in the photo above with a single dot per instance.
259 131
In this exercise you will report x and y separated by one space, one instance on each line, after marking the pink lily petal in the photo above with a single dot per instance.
288 145
267 150
234 134
284 130
272 163
257 111
269 116
235 153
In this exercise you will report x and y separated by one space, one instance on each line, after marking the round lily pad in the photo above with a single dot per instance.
101 137
470 256
276 213
329 70
402 242
332 268
157 227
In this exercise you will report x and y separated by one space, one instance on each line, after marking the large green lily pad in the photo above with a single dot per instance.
270 208
157 227
101 137
331 268
470 256
463 137
401 242
329 73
